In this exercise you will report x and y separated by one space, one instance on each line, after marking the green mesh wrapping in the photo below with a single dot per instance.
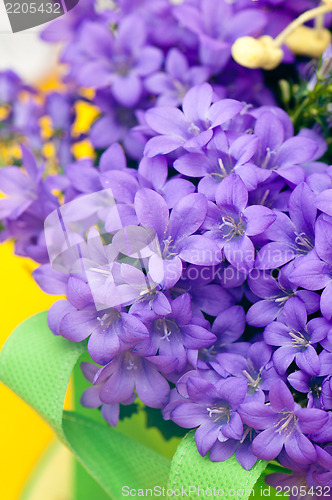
189 468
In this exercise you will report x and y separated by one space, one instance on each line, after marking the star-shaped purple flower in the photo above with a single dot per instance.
231 222
191 128
283 424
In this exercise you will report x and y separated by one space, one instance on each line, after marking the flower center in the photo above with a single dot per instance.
168 249
219 413
108 319
286 423
232 228
253 382
304 245
166 327
298 339
267 159
194 129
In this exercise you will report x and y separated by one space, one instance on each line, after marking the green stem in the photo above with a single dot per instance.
303 18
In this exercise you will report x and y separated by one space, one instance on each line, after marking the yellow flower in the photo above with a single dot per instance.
309 42
257 52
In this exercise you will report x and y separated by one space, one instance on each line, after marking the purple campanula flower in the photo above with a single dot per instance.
314 271
255 367
179 76
152 174
222 450
228 327
275 293
192 128
25 121
213 409
206 295
291 236
110 331
280 152
28 203
176 334
271 194
59 107
295 338
223 155
90 397
114 124
128 372
20 185
283 424
10 86
230 222
175 232
120 61
313 384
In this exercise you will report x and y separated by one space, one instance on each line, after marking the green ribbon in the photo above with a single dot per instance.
37 366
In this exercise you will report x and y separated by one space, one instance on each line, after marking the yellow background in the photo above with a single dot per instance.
23 435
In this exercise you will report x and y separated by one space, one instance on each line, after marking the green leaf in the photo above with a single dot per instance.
190 469
37 366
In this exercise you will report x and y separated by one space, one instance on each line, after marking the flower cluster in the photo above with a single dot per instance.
195 250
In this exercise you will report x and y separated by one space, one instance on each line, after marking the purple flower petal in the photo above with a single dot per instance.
281 397
205 437
259 218
152 210
232 192
188 415
300 449
162 144
197 101
268 444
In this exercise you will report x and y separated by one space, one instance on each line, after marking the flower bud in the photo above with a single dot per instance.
257 52
311 42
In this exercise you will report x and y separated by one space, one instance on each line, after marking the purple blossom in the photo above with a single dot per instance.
314 271
176 334
278 150
255 367
206 295
110 331
317 387
296 484
224 155
291 236
120 61
175 232
228 327
275 294
295 338
192 128
20 186
222 450
283 424
90 397
129 372
211 408
179 76
230 222
152 174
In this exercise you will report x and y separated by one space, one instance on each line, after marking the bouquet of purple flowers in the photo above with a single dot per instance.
194 243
